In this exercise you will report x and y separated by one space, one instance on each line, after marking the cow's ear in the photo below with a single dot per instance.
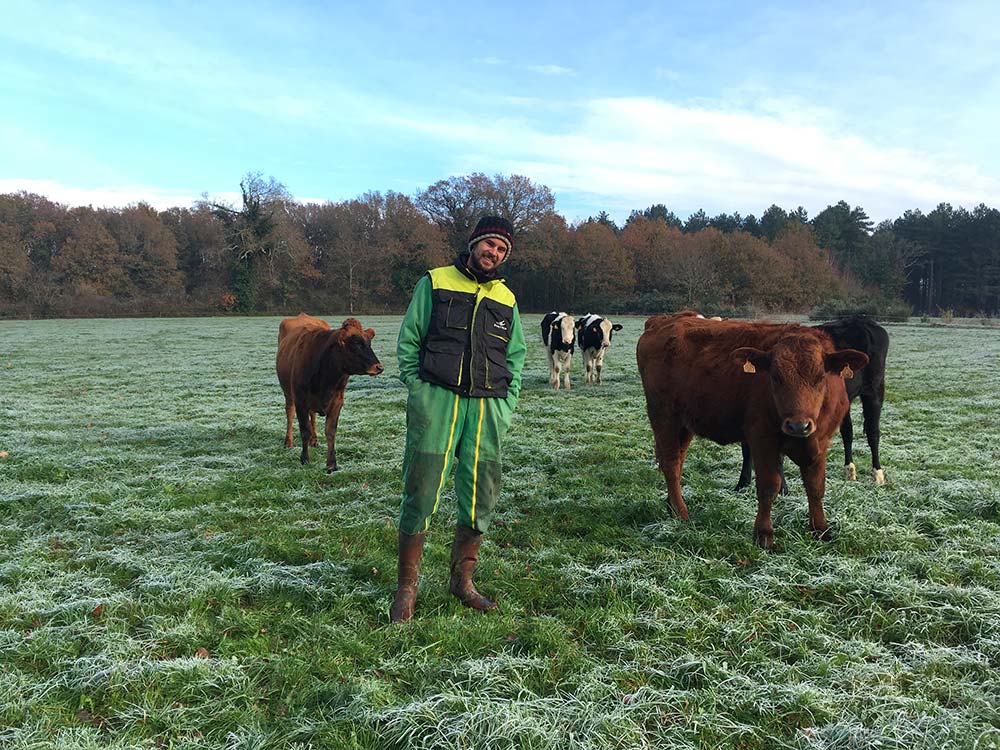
751 360
616 327
845 362
370 333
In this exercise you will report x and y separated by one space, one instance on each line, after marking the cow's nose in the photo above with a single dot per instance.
797 428
377 368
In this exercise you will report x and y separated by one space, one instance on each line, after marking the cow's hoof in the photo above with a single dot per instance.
680 513
303 460
764 538
314 443
823 535
331 469
850 472
879 476
289 444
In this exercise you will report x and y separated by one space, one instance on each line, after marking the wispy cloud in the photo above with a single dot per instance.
548 70
112 196
631 152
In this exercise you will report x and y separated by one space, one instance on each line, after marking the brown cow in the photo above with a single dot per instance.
778 386
313 365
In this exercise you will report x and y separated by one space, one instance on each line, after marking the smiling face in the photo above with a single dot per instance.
487 254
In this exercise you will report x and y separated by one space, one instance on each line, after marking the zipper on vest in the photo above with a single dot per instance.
472 342
461 364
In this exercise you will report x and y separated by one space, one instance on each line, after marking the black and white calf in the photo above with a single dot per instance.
864 334
595 338
558 337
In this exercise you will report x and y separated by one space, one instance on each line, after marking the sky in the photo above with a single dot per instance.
721 106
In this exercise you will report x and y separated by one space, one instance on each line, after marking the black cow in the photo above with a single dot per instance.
864 334
558 335
595 337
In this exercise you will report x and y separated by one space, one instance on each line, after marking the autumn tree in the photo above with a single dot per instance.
203 251
456 204
540 269
653 245
88 261
147 248
603 269
266 251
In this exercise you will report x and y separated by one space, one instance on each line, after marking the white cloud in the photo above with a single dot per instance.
631 152
548 70
112 196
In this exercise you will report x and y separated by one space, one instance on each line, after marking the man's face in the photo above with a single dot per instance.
487 253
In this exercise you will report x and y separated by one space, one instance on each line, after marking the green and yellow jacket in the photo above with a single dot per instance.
463 335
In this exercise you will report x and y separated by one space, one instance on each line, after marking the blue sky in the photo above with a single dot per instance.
717 105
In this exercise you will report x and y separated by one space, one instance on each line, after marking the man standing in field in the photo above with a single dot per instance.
461 349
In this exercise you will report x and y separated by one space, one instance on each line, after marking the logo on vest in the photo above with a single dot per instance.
501 324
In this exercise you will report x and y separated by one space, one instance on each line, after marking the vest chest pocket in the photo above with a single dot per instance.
454 311
497 322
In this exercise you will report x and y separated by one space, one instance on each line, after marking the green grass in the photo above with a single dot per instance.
170 576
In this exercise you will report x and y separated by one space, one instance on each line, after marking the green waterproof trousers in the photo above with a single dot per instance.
440 425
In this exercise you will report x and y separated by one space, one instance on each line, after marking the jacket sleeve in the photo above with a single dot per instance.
413 331
516 351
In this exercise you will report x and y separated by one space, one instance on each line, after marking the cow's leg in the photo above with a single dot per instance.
305 430
599 365
314 442
289 416
672 442
553 369
814 478
588 367
567 363
872 406
332 417
746 473
767 467
847 435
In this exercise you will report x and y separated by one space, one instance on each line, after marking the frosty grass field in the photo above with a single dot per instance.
170 576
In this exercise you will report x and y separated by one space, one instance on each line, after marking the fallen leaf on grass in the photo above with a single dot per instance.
97 611
202 653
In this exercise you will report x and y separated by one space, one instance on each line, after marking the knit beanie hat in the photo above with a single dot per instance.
493 226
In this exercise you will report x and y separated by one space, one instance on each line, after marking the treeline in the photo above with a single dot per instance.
271 254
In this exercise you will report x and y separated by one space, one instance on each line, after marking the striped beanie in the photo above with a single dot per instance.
493 226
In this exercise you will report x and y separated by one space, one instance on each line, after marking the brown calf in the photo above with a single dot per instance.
313 365
779 387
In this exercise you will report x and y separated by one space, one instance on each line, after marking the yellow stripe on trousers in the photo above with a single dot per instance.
444 468
475 462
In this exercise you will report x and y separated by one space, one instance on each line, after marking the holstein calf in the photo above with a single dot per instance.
313 364
864 334
558 334
776 386
595 337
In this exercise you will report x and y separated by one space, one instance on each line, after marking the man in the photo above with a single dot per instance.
460 351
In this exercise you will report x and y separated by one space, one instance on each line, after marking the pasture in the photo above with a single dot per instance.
170 576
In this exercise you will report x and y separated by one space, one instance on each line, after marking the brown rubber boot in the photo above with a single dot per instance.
464 556
411 548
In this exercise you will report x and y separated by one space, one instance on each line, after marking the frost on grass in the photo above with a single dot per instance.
171 576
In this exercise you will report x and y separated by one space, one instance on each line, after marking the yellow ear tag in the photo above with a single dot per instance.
847 372
748 366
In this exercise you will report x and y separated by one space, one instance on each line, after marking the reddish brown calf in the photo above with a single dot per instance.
313 364
779 387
